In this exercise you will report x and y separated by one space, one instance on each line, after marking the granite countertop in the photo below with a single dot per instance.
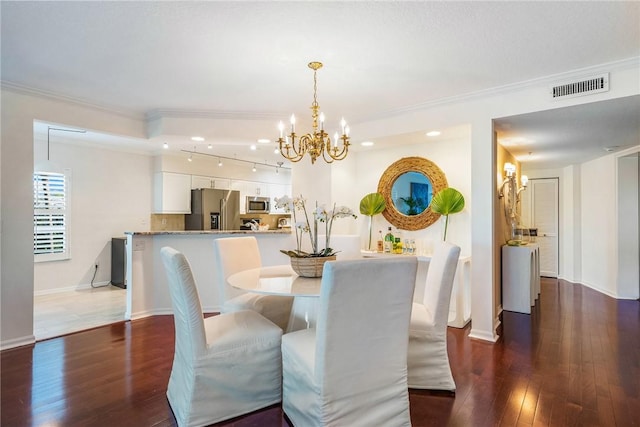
197 232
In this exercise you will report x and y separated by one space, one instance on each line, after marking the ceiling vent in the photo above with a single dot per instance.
586 86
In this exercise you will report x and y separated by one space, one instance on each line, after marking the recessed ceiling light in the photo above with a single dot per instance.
210 146
165 145
253 147
264 141
197 138
276 151
434 133
366 143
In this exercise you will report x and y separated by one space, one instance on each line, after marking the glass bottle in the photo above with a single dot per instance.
397 247
388 242
380 242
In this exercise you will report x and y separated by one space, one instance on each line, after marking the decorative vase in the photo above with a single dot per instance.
310 266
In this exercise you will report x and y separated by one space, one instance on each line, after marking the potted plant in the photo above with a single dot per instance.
370 205
414 205
446 202
309 264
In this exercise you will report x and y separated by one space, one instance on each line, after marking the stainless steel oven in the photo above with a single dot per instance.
257 204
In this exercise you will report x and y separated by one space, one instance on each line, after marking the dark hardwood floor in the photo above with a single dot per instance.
574 361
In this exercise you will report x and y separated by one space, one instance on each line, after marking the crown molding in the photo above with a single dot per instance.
41 93
633 62
156 114
205 114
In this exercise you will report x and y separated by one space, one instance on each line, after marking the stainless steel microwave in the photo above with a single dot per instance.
257 204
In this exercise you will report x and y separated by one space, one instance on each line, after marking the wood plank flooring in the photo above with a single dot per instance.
575 361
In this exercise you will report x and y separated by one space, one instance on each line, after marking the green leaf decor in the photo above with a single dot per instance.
370 205
446 202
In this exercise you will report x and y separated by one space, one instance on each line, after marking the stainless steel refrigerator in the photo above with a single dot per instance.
213 210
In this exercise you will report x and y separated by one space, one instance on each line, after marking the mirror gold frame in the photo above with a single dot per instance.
388 178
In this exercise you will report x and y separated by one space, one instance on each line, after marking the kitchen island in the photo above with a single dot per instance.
147 287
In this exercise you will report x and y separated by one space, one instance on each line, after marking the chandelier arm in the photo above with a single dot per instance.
333 151
298 152
326 149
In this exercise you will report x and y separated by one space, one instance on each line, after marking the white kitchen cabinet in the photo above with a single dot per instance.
221 183
172 193
199 181
249 188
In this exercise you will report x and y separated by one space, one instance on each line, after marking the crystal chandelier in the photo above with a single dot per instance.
317 143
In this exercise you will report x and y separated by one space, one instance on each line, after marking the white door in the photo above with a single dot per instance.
544 217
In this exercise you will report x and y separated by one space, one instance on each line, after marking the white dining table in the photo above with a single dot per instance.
282 280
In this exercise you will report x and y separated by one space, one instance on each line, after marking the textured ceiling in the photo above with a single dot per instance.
248 59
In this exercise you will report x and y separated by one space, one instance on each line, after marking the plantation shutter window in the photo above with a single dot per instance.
50 221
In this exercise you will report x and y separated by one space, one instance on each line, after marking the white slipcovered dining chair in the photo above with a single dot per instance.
235 254
351 369
223 366
428 362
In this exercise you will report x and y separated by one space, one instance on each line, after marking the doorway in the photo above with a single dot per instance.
544 216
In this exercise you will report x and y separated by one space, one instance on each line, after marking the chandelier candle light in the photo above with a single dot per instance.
317 143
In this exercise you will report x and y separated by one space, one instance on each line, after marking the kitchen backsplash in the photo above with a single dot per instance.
171 222
268 219
175 222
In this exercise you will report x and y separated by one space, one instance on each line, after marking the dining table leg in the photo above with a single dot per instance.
304 312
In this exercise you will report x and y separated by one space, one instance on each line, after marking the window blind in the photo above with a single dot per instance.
50 215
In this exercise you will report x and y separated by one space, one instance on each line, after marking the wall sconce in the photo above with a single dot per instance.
524 180
510 178
510 191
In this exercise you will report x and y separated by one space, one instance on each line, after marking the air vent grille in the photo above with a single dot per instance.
587 86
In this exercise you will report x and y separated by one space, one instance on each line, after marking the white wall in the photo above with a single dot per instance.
628 207
590 211
110 193
452 156
598 196
20 109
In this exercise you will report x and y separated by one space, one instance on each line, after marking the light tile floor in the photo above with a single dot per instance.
66 312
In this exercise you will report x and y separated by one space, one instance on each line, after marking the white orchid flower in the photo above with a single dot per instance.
342 212
284 202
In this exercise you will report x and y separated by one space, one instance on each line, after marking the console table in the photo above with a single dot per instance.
520 277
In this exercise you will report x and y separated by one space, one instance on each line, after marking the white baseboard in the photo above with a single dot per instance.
166 311
149 313
70 288
484 335
604 291
17 342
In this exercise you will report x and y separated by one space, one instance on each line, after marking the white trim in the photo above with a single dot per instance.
17 342
70 288
481 335
41 93
509 88
605 292
149 313
157 114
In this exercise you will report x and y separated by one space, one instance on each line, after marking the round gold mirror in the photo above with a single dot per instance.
407 187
